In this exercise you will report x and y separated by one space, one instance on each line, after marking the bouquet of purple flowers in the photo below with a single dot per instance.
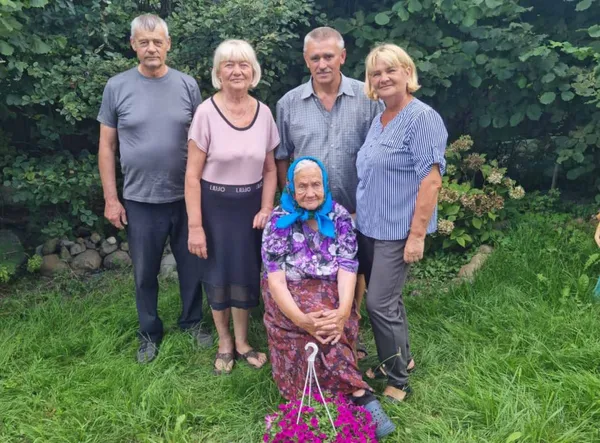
353 424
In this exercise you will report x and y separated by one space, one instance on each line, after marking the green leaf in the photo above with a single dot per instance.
461 241
38 3
594 31
39 47
477 223
513 437
578 157
492 216
534 112
547 98
522 82
567 96
403 13
382 19
481 59
583 5
500 121
470 48
475 81
492 4
453 210
548 77
485 120
5 48
517 118
414 6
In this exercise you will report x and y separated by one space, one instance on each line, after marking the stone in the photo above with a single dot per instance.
117 260
80 240
39 249
67 243
77 248
90 244
64 254
125 246
485 249
111 241
88 260
168 267
95 238
52 264
50 246
468 271
12 253
106 248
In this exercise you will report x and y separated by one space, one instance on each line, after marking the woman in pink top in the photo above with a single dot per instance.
229 192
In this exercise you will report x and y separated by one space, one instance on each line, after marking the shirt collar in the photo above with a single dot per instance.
345 88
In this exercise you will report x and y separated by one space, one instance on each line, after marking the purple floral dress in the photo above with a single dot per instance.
311 262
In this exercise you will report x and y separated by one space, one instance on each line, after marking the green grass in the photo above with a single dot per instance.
513 356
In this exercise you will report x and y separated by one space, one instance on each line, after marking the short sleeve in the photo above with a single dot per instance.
347 245
428 143
273 133
195 96
275 244
108 112
286 148
199 130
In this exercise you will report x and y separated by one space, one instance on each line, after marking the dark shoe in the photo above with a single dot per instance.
202 336
250 354
147 352
380 418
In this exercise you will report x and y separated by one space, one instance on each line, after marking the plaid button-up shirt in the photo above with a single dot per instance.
334 137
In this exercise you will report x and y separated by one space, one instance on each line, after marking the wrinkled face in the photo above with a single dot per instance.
324 59
389 80
151 47
309 189
235 75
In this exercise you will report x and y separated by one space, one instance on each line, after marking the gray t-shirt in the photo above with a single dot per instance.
152 117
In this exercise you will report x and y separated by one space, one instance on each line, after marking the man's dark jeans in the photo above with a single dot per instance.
148 227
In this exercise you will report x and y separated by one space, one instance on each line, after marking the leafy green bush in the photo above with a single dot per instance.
473 197
60 192
34 264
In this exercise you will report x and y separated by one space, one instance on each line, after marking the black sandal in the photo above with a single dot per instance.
361 349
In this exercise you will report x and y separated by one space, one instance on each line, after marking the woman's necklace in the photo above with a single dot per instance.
232 115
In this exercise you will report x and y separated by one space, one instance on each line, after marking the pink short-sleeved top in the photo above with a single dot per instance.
234 156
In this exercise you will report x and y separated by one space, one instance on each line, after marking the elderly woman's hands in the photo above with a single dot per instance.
309 322
261 218
331 325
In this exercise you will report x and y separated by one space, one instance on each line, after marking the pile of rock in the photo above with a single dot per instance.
87 254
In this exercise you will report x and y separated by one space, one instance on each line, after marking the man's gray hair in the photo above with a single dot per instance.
324 33
148 22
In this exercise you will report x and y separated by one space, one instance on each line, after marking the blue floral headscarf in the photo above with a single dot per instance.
289 203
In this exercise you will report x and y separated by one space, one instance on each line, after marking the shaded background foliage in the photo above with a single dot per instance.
521 77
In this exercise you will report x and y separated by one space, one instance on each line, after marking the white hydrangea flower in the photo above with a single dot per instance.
516 193
495 177
445 227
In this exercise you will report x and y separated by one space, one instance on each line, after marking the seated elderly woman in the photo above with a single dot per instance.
309 252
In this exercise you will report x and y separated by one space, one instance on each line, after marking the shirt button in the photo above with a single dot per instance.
332 146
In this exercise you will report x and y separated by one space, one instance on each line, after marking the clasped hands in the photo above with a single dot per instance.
326 326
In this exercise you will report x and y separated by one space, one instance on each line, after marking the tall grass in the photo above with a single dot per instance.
513 356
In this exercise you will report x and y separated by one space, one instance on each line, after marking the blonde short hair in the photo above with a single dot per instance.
238 51
392 55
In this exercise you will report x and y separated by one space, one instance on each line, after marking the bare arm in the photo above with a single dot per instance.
268 192
282 168
426 201
346 283
107 149
597 234
193 173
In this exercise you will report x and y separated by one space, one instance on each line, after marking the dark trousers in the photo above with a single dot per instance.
385 274
148 226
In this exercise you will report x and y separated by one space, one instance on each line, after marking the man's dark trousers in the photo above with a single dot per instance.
148 226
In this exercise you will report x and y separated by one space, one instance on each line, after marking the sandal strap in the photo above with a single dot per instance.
250 354
227 357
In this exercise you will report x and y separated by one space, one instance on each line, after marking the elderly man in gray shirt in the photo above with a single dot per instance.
146 112
328 118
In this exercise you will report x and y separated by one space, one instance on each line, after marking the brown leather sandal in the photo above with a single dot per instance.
250 354
226 358
397 394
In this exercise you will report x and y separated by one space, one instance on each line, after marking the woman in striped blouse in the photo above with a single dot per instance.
400 167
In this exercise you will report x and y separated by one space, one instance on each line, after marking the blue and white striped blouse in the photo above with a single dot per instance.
391 164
